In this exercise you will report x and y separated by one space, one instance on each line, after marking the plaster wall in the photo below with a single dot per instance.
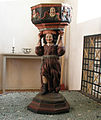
77 32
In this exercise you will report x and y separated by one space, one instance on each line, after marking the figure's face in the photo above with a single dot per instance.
52 11
49 38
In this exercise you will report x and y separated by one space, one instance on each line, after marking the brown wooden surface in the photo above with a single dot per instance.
19 90
52 103
24 90
51 25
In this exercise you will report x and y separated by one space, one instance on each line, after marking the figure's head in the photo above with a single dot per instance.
52 12
49 38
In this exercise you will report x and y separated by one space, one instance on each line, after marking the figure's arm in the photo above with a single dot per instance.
61 48
39 50
61 51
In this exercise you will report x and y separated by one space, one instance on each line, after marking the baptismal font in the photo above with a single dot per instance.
50 19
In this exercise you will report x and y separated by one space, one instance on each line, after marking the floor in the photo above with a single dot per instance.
13 106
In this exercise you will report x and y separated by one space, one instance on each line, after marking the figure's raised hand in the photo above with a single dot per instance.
40 35
39 43
61 33
60 38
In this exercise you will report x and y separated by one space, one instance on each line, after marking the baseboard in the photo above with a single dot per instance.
20 90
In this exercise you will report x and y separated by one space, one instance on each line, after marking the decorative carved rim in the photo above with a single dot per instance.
49 31
56 25
46 5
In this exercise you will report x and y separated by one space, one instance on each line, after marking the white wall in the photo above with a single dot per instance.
77 32
15 21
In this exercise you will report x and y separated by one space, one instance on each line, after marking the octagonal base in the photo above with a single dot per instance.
52 103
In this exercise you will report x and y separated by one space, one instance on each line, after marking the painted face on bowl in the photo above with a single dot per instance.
52 12
49 38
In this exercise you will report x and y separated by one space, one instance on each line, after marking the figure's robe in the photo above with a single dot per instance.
51 68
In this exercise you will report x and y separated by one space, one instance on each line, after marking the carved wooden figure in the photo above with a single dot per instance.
50 19
50 69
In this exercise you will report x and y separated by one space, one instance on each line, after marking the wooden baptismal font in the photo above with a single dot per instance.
50 19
